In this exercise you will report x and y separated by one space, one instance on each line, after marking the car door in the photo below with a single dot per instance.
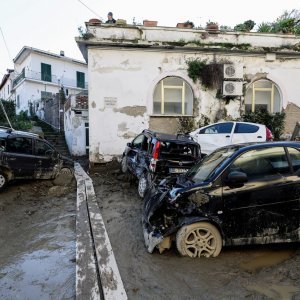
293 195
19 156
132 154
257 211
245 132
46 160
212 137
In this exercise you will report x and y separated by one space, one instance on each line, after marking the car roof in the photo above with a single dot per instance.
255 145
165 137
7 132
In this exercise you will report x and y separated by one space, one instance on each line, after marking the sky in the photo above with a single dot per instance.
52 25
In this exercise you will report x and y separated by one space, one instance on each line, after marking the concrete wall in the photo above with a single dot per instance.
74 126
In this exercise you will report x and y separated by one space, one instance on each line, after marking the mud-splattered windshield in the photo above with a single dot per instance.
206 167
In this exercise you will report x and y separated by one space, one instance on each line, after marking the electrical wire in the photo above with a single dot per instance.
90 9
5 44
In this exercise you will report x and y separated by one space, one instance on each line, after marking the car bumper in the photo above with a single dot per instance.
152 238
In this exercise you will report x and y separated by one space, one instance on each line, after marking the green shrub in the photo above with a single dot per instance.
275 122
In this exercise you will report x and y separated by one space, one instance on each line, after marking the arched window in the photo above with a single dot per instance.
173 96
263 94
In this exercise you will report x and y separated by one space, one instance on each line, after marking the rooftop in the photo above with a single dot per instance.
193 39
26 50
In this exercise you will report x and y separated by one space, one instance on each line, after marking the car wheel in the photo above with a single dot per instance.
199 239
143 185
124 167
3 180
66 171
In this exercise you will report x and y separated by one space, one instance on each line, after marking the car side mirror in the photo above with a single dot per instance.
236 179
129 145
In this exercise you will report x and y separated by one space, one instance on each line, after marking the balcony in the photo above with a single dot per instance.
37 76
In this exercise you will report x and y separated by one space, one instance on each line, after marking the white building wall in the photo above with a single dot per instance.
63 71
75 132
122 82
6 91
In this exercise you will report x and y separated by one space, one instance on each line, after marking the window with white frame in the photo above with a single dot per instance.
263 94
173 96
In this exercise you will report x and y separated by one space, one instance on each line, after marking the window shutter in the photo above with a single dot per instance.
46 72
80 79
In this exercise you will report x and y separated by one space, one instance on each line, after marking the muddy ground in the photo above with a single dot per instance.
256 272
37 240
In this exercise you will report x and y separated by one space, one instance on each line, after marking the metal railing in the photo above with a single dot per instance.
29 74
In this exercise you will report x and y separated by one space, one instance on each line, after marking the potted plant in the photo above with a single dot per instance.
150 23
187 24
212 26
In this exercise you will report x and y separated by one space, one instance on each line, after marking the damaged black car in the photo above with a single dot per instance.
237 195
152 156
25 155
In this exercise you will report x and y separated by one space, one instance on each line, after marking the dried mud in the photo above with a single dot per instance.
252 272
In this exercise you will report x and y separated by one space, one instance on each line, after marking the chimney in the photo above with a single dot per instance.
62 53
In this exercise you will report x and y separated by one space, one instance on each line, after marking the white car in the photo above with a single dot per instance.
222 134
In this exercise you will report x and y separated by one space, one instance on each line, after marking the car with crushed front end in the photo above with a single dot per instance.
25 155
239 194
152 156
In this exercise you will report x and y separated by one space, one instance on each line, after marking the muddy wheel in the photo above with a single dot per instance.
3 180
124 167
143 185
199 239
66 171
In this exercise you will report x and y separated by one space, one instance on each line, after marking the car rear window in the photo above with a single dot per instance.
245 128
172 150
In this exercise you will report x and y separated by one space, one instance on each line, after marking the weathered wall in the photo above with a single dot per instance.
75 129
126 63
122 82
292 113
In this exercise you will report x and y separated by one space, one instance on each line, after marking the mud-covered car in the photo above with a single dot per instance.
25 155
237 195
152 156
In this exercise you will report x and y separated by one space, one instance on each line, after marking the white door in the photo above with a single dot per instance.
214 136
248 132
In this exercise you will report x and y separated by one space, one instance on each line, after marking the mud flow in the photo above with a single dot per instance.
37 238
252 272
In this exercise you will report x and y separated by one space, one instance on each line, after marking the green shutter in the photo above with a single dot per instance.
80 80
46 72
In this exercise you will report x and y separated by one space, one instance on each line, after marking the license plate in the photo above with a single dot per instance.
177 170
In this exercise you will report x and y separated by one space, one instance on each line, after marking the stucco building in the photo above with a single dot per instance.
138 78
40 75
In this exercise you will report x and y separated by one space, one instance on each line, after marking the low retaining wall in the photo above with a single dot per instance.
97 273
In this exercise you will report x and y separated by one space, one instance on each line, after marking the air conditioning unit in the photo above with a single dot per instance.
233 71
232 88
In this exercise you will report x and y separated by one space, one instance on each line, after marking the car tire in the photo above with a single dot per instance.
199 239
66 171
124 167
3 180
143 185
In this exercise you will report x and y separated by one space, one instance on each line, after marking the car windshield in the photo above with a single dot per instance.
203 170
